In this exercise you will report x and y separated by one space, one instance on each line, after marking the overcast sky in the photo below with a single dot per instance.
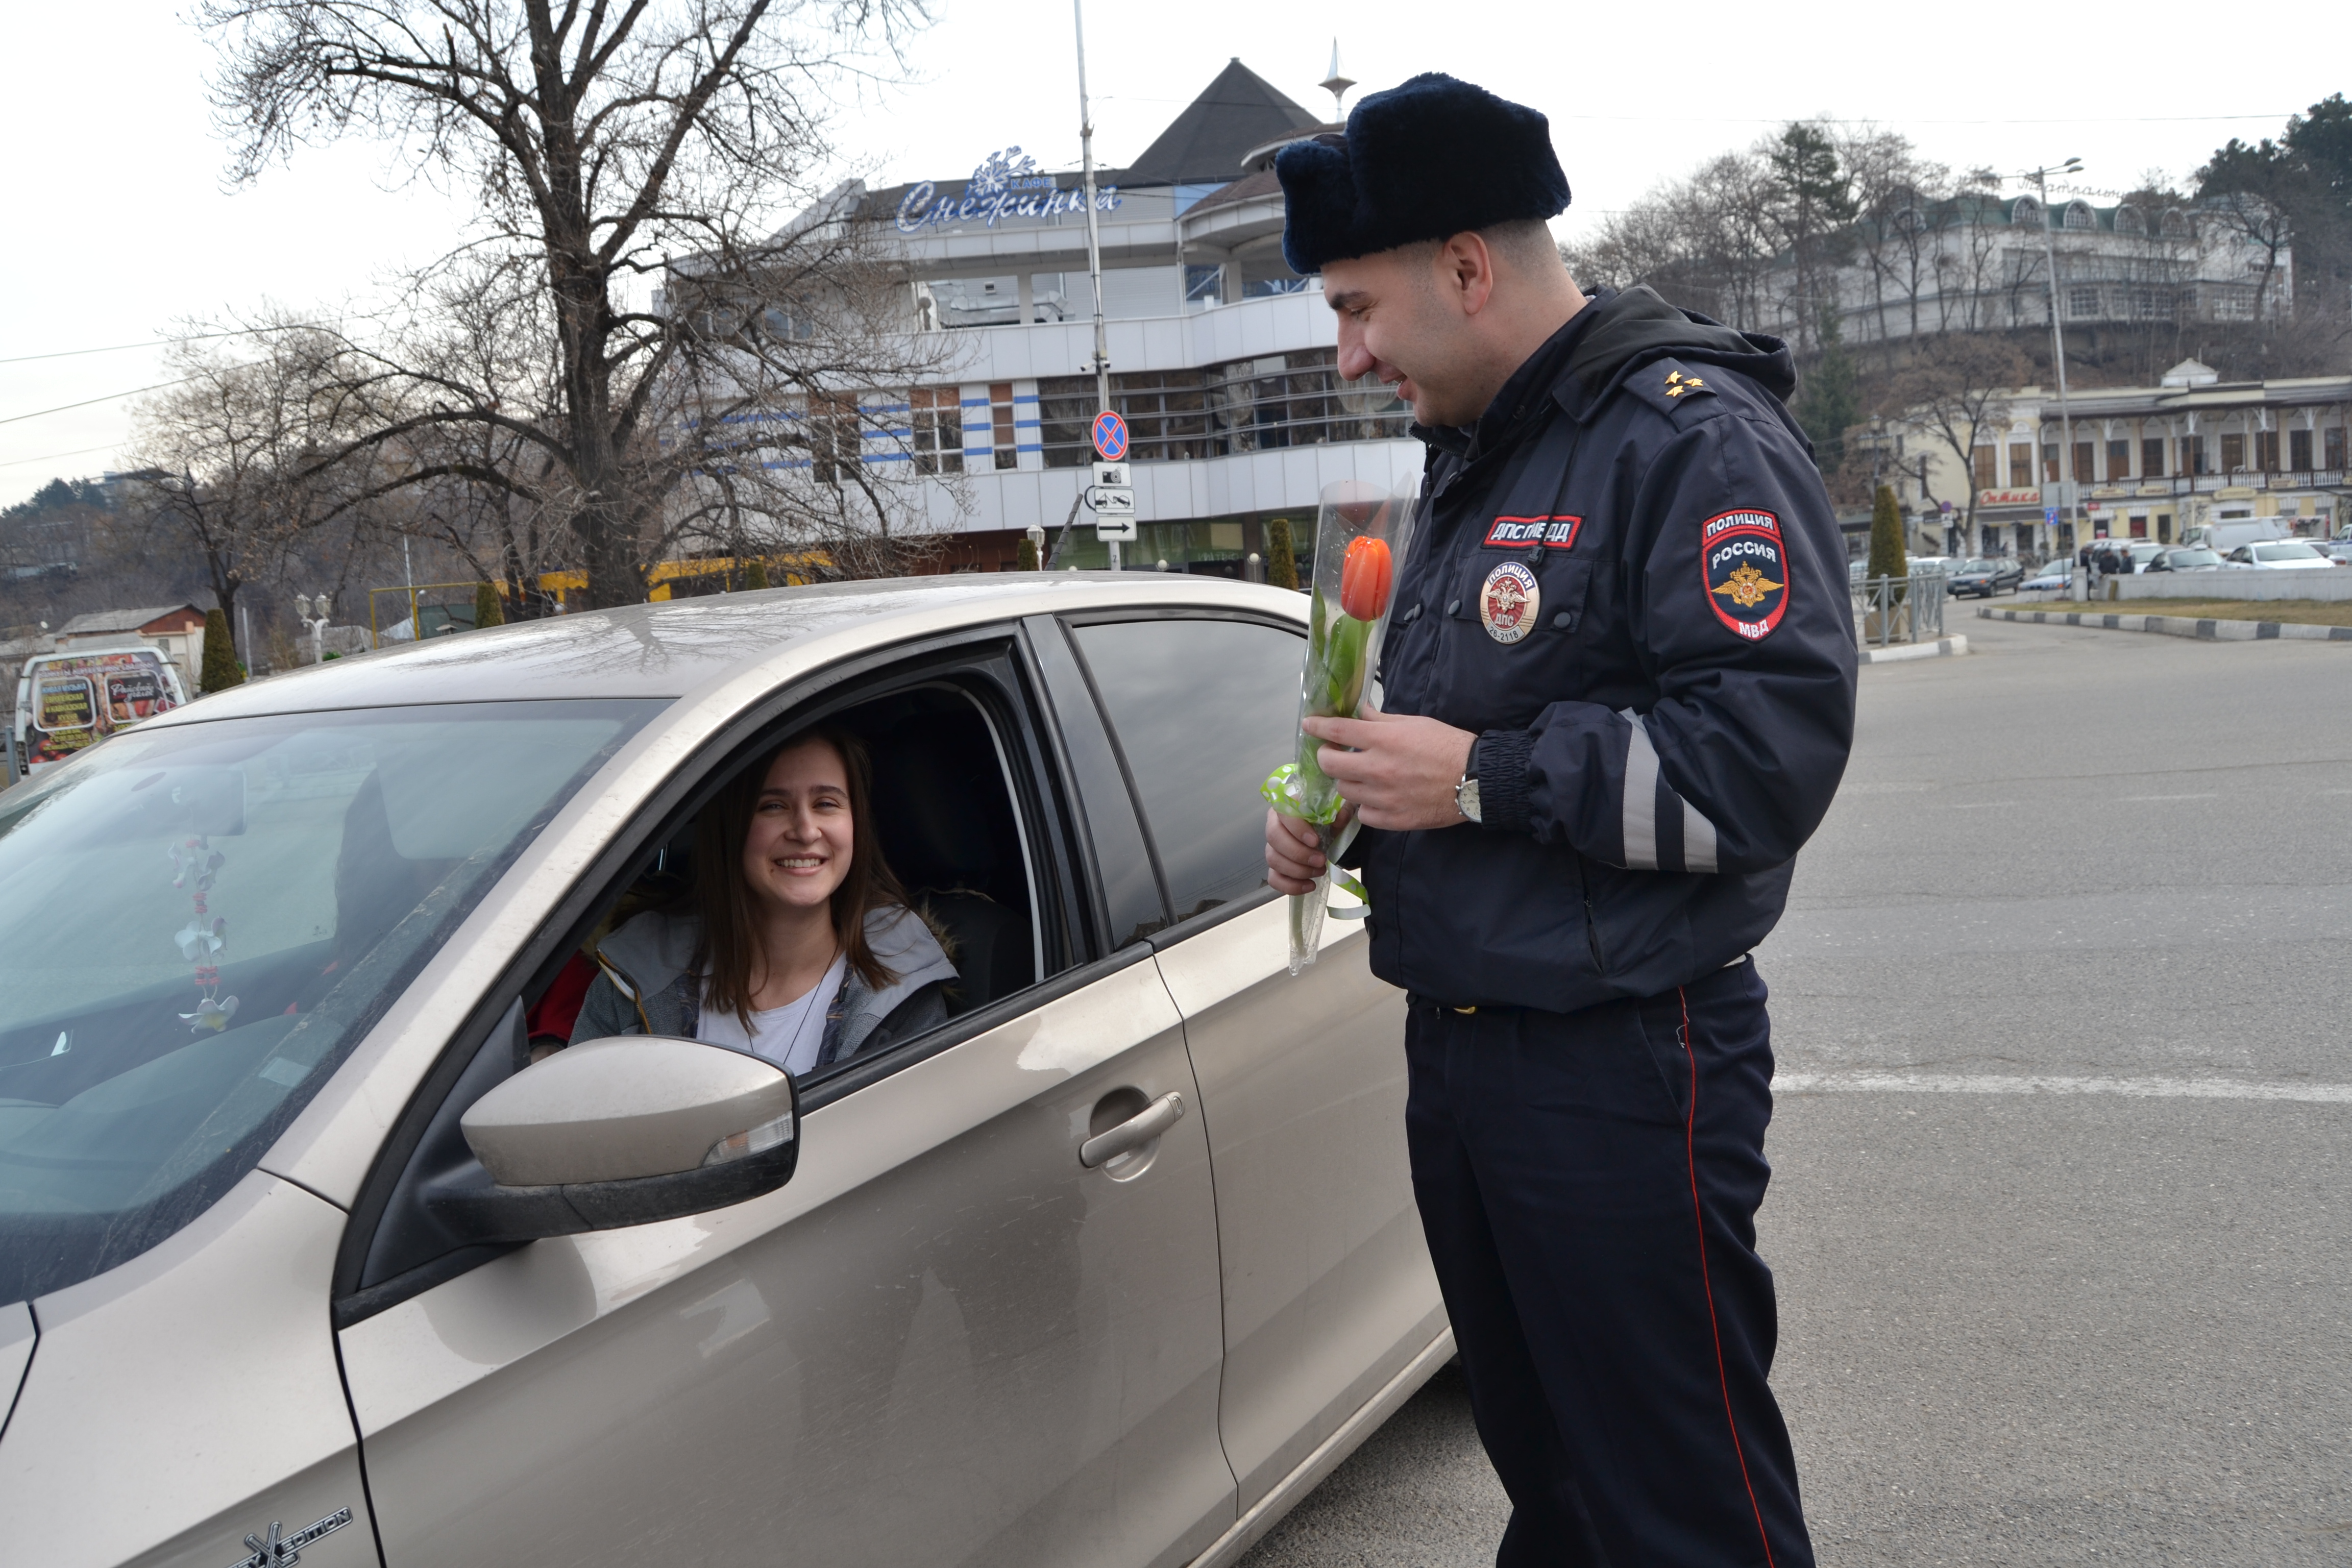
120 224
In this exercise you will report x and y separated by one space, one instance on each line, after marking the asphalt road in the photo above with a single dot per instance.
2062 1211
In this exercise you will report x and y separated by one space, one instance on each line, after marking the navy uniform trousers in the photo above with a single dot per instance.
1588 1185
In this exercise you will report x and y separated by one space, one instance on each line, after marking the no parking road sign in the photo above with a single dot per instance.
1109 433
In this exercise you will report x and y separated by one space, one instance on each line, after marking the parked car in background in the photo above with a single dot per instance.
2054 574
1984 578
2280 555
67 701
2191 558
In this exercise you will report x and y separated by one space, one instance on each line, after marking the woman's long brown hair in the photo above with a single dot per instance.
730 916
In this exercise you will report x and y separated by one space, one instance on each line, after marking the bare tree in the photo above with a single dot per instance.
233 456
603 141
1955 394
1901 209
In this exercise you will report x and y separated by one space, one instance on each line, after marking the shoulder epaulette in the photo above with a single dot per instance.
1669 386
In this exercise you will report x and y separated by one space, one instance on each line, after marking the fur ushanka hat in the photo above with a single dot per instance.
1427 159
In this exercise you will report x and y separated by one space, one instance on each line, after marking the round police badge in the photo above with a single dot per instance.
1509 601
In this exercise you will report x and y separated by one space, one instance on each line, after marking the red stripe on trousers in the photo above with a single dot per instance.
1690 1127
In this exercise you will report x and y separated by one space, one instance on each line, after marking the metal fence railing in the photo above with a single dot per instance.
1889 610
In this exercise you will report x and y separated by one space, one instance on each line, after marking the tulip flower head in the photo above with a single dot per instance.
1365 577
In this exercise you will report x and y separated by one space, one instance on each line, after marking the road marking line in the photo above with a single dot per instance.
2136 799
1995 1083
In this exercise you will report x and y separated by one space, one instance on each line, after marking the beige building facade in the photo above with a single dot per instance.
2146 463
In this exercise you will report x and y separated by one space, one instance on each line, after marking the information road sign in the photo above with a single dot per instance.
1120 529
1110 432
1111 501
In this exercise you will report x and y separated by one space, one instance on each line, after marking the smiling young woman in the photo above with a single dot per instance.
796 943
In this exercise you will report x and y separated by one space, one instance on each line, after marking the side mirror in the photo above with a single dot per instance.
622 1132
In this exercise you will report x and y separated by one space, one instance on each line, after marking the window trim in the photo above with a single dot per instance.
803 702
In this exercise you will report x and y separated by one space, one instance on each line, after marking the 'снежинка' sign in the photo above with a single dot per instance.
1006 185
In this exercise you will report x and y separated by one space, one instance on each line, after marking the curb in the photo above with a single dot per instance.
2179 627
1942 647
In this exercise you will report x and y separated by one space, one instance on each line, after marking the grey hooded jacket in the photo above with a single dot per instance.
650 984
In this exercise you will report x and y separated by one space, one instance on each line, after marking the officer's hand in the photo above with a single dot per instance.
1294 855
1399 771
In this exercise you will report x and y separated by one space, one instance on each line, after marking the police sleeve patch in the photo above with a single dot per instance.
1744 567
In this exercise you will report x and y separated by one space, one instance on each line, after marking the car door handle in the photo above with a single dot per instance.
1134 1133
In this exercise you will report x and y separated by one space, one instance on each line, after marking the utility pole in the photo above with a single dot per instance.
2068 479
1093 234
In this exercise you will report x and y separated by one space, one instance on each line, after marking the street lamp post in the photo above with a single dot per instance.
2069 483
1094 237
313 614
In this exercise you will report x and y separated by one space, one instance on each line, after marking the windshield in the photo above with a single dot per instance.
2291 550
196 924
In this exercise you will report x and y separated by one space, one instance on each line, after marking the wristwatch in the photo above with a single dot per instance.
1465 794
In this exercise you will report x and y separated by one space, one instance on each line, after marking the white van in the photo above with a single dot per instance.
65 702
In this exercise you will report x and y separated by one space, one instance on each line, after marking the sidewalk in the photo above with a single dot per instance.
2204 630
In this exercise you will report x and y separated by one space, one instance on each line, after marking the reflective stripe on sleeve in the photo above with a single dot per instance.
1688 841
1641 797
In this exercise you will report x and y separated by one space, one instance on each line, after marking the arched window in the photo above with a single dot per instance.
2027 210
2079 215
2176 223
2128 220
1910 220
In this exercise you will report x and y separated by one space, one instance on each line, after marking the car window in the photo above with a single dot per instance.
1203 710
197 922
2289 550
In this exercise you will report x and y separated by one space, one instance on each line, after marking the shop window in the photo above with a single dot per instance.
2118 461
2151 457
2298 451
2233 453
2164 527
2139 527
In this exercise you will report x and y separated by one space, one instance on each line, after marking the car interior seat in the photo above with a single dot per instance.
947 829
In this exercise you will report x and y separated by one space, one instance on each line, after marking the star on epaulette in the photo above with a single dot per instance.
1678 383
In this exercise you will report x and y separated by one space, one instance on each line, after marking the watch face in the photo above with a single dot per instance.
1465 797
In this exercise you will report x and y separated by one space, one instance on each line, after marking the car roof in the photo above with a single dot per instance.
672 649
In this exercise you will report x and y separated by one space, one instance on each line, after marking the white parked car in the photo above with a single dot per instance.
2280 555
288 1198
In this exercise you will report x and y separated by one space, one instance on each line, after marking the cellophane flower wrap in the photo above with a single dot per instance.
1361 532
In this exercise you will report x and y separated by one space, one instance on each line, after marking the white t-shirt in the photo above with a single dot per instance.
789 1036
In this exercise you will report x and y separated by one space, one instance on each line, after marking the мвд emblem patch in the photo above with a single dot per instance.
1744 568
1508 603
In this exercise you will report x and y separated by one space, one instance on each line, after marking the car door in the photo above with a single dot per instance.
1329 1292
944 1341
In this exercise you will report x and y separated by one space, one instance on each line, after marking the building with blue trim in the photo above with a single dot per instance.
1223 360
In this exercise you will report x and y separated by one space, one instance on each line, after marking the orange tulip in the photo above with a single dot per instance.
1365 575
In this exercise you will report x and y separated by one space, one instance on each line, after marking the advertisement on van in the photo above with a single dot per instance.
65 702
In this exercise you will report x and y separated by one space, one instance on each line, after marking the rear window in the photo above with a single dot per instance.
2288 550
1203 710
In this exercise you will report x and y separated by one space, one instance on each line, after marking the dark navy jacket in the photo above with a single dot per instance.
1663 719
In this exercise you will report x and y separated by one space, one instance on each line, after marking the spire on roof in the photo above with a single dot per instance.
1239 110
1336 85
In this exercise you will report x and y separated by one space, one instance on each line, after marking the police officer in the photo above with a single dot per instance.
1620 691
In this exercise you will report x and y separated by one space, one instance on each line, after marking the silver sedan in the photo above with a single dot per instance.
302 1252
